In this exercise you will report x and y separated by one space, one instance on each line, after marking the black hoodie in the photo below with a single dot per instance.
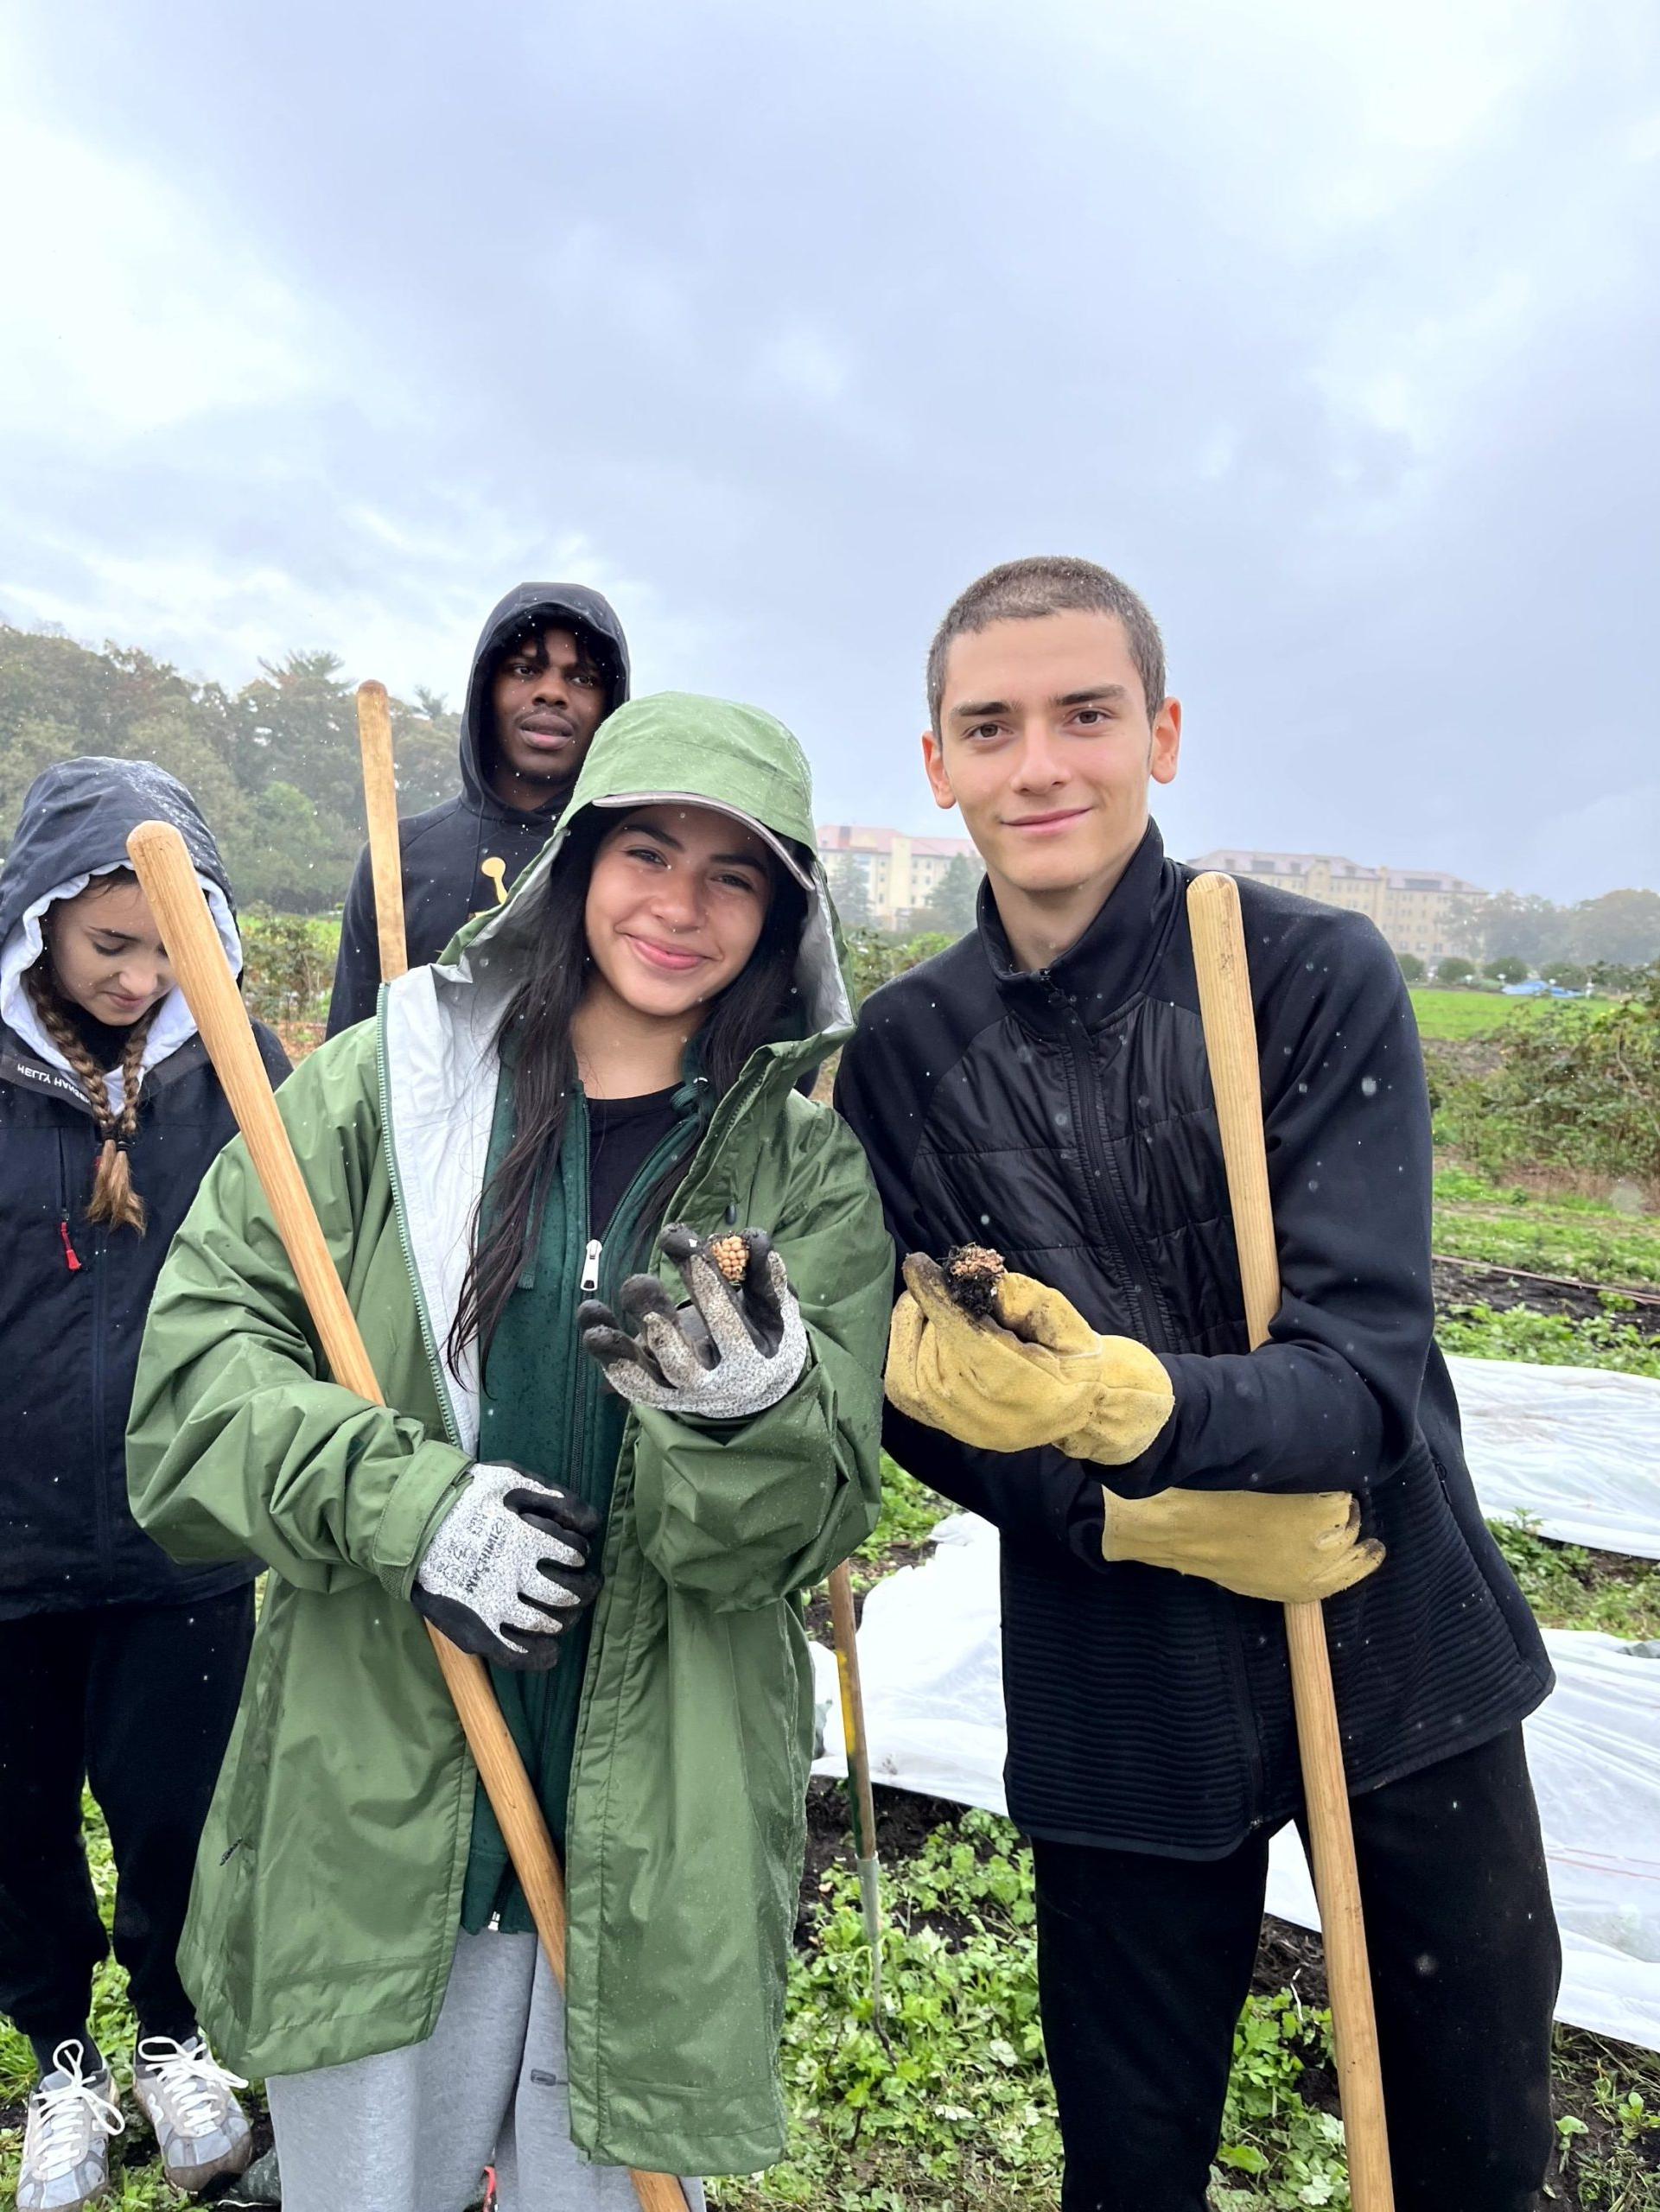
73 1296
444 850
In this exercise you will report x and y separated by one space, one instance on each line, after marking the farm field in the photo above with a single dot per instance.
1449 1015
955 2111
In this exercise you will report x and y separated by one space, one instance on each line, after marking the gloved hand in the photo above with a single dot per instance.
1283 1545
504 1575
728 1353
1038 1374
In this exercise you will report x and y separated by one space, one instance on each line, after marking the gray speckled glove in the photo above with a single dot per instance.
728 1353
504 1575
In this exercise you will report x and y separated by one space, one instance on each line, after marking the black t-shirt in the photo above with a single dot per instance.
622 1135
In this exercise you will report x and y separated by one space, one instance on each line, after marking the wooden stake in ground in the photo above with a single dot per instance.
168 878
1230 1042
860 1800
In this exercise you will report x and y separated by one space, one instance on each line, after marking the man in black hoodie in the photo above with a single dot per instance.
550 664
1042 1088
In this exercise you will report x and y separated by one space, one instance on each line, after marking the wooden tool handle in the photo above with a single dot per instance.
381 805
1221 967
853 1709
169 879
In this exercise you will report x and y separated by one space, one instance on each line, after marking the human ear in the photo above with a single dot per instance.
933 761
1167 742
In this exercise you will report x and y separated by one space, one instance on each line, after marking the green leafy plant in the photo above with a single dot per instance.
1550 1339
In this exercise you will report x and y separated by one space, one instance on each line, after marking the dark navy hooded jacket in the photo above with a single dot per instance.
444 850
73 1296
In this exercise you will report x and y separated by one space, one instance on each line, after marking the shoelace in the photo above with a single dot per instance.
69 2111
191 2078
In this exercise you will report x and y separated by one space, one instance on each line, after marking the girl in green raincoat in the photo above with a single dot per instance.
609 1482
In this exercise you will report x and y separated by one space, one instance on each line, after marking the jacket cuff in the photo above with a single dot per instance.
421 1497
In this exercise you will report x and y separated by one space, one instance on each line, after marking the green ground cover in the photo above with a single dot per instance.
1507 1227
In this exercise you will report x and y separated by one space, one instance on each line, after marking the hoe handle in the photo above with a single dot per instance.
1236 1078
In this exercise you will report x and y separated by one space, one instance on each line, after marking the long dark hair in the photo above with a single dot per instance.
534 1043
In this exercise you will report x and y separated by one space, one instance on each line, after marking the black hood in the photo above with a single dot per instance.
560 606
77 819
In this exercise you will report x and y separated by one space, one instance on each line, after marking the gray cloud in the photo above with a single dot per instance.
1333 330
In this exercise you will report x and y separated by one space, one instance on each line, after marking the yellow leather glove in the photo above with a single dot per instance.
1282 1545
1037 1374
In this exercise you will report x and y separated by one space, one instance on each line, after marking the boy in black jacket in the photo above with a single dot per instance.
1042 1089
550 664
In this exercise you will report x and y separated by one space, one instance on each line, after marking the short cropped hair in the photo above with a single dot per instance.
1022 591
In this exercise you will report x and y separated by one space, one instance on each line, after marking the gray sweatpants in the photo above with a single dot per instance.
413 2130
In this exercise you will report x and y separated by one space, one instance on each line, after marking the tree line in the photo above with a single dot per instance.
1619 930
273 766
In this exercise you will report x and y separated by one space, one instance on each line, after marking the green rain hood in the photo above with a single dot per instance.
328 1884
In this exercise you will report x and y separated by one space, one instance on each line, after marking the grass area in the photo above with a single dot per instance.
1454 1014
1508 1227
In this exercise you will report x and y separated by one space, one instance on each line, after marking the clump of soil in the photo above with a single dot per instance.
972 1274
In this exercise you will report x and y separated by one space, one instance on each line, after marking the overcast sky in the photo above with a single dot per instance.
1332 328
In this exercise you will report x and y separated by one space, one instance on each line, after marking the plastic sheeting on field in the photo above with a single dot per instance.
929 1650
1577 1448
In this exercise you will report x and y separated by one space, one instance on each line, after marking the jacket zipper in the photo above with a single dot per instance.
1112 1223
100 1501
1160 1337
71 1257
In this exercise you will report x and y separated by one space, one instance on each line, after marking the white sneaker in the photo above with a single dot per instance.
190 2099
72 2116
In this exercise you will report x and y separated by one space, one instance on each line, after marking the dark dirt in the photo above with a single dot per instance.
1467 1282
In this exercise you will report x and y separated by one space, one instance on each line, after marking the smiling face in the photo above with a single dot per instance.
548 695
676 902
1046 744
107 953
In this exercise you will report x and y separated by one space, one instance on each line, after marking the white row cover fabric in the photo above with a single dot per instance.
929 1653
1576 1448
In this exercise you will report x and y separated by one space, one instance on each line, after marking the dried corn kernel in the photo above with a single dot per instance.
731 1255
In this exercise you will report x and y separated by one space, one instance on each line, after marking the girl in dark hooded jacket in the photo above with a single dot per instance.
117 1667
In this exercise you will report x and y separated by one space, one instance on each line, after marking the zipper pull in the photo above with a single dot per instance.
71 1257
591 1264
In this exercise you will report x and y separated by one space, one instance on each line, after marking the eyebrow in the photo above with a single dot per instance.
976 708
725 859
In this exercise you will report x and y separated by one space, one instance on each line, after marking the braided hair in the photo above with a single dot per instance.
113 1198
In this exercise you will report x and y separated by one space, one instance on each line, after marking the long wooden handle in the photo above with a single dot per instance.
168 881
1219 959
380 804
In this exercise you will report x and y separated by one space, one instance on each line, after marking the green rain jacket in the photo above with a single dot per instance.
328 1884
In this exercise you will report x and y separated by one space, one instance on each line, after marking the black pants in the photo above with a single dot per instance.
136 1701
1143 1965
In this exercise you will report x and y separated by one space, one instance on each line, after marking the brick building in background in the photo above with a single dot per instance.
1418 910
901 873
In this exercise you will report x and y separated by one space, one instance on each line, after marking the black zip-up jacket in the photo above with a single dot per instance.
1066 1118
73 1297
444 850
